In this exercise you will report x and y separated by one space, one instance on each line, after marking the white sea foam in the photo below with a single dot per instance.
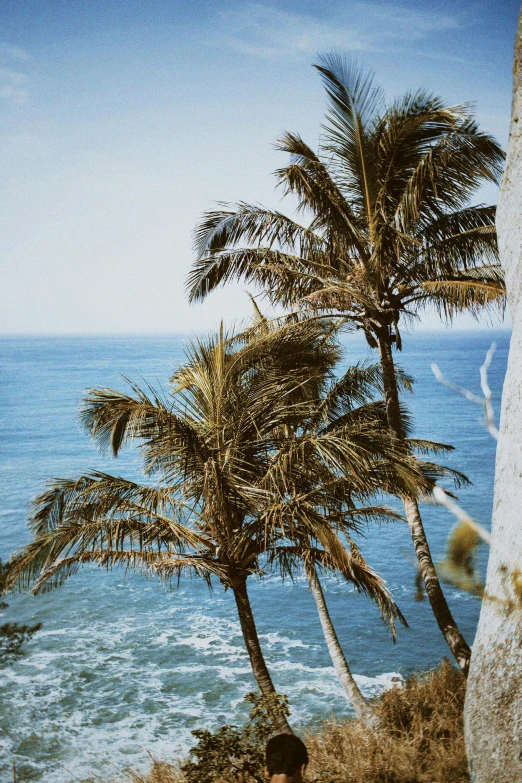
382 681
97 693
273 639
91 698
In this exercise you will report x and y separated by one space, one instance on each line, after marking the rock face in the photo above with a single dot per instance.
493 710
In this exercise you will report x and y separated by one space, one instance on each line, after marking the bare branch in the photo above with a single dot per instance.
443 499
484 385
484 401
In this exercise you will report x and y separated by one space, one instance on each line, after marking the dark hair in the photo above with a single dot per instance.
285 754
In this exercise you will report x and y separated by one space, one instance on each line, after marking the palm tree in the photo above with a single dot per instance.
318 510
325 507
390 233
216 444
349 564
318 493
209 442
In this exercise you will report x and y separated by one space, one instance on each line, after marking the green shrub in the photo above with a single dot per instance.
232 753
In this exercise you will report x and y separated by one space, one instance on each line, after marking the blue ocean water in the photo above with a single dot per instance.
123 667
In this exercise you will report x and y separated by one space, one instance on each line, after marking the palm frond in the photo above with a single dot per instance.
378 514
475 291
359 384
220 258
434 472
354 106
56 574
199 566
428 446
102 513
350 88
313 183
100 495
405 133
448 174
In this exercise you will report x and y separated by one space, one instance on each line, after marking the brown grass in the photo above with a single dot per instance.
421 739
161 772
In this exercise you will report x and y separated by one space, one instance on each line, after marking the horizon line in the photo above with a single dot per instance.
441 328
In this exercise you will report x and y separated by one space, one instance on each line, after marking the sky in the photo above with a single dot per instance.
122 121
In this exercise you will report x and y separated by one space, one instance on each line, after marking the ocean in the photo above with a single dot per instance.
122 667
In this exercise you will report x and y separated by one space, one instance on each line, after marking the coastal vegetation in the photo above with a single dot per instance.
420 740
264 457
390 232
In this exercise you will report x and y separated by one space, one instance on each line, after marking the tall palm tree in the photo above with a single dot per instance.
216 446
209 444
318 511
302 550
390 232
342 504
318 495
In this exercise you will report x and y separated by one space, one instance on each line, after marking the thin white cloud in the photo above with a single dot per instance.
13 52
402 22
13 82
268 31
12 86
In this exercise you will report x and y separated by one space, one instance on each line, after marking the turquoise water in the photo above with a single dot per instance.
123 667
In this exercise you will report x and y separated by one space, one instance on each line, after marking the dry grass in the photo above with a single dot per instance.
421 739
160 773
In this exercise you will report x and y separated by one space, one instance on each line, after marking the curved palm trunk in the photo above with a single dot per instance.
439 605
362 709
259 667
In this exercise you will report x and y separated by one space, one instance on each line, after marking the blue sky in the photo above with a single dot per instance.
122 121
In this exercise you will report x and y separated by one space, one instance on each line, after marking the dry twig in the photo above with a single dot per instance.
484 401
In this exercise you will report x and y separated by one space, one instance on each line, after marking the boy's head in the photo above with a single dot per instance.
286 755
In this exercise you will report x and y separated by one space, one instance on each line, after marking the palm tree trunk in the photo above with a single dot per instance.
259 667
439 605
362 709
